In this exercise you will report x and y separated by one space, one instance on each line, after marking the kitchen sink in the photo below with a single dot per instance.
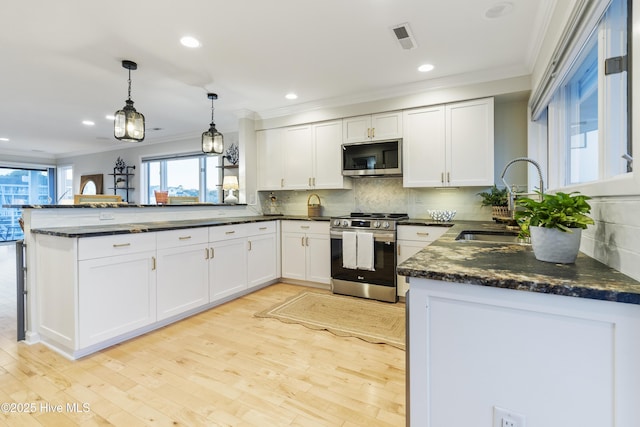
490 236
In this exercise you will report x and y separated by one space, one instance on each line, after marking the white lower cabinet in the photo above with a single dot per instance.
262 253
306 251
183 271
228 260
411 240
115 295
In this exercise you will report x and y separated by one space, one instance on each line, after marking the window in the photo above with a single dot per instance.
588 109
188 175
21 187
65 185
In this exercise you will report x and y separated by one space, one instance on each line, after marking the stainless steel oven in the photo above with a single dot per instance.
378 282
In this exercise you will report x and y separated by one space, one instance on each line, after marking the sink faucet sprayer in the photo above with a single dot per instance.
510 191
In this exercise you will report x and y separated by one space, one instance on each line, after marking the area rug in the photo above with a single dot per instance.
372 321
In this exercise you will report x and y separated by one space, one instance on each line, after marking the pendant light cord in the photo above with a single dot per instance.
212 109
129 81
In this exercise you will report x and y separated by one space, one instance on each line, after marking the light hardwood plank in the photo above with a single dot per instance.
223 367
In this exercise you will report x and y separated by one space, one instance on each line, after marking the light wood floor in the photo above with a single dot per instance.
220 368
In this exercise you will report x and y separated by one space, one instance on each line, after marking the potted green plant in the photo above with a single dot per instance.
498 199
554 223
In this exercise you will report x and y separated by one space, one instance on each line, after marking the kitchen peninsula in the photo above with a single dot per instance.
490 326
100 274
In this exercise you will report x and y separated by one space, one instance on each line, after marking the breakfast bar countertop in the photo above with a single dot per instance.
514 266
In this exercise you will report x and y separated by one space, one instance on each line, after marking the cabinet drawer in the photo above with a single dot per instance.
182 237
119 244
420 233
261 228
316 227
224 232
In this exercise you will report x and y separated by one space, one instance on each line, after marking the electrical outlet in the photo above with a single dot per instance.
506 418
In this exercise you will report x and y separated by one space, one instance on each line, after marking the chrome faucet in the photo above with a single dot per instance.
509 190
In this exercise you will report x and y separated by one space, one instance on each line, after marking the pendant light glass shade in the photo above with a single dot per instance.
128 124
212 140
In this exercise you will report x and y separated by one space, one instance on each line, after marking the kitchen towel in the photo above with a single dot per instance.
364 258
349 250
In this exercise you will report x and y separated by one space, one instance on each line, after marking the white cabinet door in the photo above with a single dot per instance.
386 125
298 158
270 159
183 279
318 258
116 295
327 172
356 129
261 259
227 268
449 145
294 256
374 127
423 147
411 240
470 140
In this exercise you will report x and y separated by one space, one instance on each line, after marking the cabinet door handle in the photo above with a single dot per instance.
281 182
302 241
229 232
368 132
206 253
184 237
249 241
373 132
121 245
422 233
212 253
398 250
153 263
306 241
448 177
442 177
310 182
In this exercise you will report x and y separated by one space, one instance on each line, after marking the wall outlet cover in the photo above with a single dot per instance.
506 418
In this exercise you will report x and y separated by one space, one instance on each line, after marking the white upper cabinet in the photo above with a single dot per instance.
301 157
270 150
449 145
327 172
373 127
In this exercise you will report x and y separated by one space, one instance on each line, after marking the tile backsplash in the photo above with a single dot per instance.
386 195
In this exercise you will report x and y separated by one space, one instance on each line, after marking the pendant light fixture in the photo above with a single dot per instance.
212 140
128 123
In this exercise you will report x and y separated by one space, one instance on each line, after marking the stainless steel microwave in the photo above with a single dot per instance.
372 158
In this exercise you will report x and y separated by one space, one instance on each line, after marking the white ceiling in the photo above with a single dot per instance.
61 60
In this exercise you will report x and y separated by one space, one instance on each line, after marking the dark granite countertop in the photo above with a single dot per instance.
144 227
514 266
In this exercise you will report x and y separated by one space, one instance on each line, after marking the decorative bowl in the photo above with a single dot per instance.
441 215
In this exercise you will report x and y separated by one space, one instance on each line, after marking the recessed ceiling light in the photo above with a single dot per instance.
189 41
110 117
88 123
4 139
425 68
499 10
291 96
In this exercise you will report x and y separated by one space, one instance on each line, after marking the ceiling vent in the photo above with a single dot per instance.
404 35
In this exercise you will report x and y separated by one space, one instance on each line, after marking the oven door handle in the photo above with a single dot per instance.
377 236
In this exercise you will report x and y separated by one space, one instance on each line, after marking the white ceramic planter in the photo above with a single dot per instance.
553 245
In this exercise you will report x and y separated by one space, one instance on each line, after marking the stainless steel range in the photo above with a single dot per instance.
363 255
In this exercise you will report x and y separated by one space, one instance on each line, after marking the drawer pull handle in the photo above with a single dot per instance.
422 233
305 227
262 228
121 245
229 232
184 238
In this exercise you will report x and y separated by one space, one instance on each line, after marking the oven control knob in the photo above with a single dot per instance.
376 224
336 223
345 223
386 224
